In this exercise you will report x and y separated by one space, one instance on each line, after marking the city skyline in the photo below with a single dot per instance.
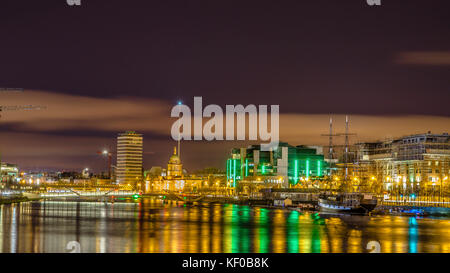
385 67
72 147
224 135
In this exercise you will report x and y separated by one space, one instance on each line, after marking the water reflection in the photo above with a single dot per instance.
413 235
154 226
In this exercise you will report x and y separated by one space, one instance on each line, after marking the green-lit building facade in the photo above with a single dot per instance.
287 163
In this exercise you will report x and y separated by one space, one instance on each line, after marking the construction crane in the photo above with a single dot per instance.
109 155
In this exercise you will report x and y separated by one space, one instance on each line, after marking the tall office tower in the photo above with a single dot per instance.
129 158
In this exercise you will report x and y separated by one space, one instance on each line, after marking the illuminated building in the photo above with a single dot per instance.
174 167
129 158
9 176
175 179
414 162
171 179
155 171
9 172
288 165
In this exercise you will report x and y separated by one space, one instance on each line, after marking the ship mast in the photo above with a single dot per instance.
330 136
346 148
330 144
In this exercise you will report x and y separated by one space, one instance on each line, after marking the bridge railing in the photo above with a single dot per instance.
87 194
416 203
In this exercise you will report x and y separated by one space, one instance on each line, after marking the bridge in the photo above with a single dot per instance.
85 186
188 198
81 194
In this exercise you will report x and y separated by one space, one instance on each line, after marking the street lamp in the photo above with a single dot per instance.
107 153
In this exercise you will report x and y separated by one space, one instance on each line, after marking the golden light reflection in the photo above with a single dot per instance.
279 236
156 226
216 238
354 241
205 238
305 233
227 228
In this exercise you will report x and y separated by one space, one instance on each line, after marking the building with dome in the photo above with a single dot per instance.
174 167
176 180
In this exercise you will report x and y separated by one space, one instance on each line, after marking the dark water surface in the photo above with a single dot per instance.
151 226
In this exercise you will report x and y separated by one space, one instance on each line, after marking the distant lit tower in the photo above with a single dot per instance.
85 173
109 155
129 158
179 137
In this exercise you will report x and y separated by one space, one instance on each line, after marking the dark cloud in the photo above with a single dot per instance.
72 129
432 58
110 66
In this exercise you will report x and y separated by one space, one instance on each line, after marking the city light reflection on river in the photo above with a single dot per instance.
152 226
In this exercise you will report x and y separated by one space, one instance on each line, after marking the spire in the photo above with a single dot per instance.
174 150
179 140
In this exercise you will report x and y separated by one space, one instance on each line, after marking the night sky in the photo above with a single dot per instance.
110 66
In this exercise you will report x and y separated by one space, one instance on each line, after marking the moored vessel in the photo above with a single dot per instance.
347 202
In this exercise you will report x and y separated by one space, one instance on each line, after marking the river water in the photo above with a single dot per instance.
153 226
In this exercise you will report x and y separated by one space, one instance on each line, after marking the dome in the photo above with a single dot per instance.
174 159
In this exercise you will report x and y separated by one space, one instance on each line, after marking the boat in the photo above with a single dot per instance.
347 202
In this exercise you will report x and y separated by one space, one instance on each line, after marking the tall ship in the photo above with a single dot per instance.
347 202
